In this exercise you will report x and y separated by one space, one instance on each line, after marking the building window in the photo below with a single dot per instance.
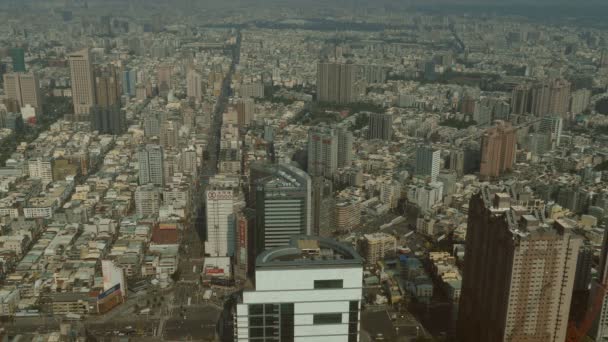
327 318
256 309
329 284
353 321
256 321
256 332
287 322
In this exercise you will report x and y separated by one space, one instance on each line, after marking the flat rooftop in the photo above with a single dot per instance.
306 250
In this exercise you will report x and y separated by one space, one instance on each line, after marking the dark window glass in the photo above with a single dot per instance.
327 318
329 284
271 309
256 309
287 322
353 321
257 321
256 332
272 320
272 331
286 308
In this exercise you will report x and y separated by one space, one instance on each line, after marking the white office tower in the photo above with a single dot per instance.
220 223
307 291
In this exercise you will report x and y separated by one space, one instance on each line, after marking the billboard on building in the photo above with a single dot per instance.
242 242
219 195
112 275
216 267
109 299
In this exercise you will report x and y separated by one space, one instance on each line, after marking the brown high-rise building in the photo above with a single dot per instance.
164 79
244 109
551 98
107 86
521 99
518 275
497 150
467 106
336 82
83 86
24 89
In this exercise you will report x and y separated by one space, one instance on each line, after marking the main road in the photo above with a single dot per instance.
193 251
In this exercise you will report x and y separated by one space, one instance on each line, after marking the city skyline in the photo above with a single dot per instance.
282 170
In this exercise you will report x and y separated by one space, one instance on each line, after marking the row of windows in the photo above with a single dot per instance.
275 322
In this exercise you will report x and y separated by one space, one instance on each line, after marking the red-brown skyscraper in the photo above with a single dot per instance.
497 150
518 274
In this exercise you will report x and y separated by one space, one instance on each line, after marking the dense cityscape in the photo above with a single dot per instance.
339 171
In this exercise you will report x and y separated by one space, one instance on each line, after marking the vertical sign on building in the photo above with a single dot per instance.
242 243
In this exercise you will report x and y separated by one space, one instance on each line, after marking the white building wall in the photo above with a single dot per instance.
296 286
220 223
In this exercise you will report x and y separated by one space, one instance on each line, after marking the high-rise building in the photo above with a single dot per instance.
538 143
344 215
457 161
24 89
583 269
18 58
147 200
108 120
376 246
551 98
283 207
164 79
220 223
129 82
107 86
244 109
372 73
580 101
309 290
83 84
519 273
521 99
345 147
169 133
41 168
497 150
189 161
428 162
322 151
380 126
152 125
553 126
336 82
322 206
151 163
598 292
194 85
255 89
